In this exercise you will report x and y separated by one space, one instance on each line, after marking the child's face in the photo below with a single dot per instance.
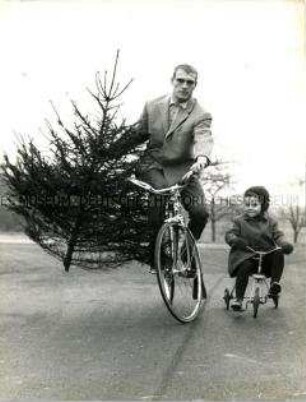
252 206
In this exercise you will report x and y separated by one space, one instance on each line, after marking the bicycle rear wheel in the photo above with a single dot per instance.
179 272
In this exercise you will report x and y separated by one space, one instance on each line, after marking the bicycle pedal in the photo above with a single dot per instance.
190 274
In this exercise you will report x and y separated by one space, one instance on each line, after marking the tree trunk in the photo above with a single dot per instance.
71 245
213 230
213 220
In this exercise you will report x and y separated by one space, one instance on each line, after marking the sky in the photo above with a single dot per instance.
250 56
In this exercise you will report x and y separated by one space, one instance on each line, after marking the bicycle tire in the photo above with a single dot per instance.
181 288
256 302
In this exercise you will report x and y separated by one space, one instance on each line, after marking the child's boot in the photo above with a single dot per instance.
275 289
237 305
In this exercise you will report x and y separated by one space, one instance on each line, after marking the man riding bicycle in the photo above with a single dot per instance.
179 144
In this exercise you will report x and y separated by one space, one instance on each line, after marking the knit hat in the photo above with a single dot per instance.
261 193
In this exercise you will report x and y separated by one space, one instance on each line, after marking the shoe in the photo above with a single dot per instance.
237 305
167 266
275 289
153 271
191 273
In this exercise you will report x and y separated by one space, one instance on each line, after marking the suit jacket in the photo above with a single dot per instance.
174 148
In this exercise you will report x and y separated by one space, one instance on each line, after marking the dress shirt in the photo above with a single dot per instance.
174 107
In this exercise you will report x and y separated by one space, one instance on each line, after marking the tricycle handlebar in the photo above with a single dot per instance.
276 248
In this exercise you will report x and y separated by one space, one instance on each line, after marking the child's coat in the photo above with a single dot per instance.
260 233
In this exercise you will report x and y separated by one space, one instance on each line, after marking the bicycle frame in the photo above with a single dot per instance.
173 208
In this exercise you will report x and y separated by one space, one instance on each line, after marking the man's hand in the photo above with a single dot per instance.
196 168
187 176
200 164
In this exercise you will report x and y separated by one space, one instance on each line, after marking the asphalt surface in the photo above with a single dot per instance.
92 335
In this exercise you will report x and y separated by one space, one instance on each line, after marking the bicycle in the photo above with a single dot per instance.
176 258
259 293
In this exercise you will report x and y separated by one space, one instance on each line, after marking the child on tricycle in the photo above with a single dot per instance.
255 229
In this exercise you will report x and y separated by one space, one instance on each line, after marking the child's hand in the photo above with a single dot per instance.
287 248
239 243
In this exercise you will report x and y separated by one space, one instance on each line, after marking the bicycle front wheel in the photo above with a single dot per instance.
179 271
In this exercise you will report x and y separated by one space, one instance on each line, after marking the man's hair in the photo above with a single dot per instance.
187 68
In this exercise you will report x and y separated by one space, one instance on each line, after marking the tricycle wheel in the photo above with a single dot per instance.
227 298
256 302
275 301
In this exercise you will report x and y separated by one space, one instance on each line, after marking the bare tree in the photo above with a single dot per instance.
295 215
215 181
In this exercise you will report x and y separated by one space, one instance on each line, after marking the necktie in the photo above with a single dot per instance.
173 109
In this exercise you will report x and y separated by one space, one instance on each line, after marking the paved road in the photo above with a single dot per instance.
106 335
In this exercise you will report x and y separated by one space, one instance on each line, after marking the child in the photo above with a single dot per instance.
256 229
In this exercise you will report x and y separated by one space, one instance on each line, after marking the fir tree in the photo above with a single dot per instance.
76 202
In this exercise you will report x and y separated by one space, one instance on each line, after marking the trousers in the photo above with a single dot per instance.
272 267
193 200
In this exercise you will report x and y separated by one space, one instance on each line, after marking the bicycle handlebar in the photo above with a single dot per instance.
167 190
181 184
153 190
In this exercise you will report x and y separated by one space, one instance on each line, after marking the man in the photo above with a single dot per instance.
179 143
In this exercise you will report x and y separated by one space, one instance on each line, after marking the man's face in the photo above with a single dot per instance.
183 85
